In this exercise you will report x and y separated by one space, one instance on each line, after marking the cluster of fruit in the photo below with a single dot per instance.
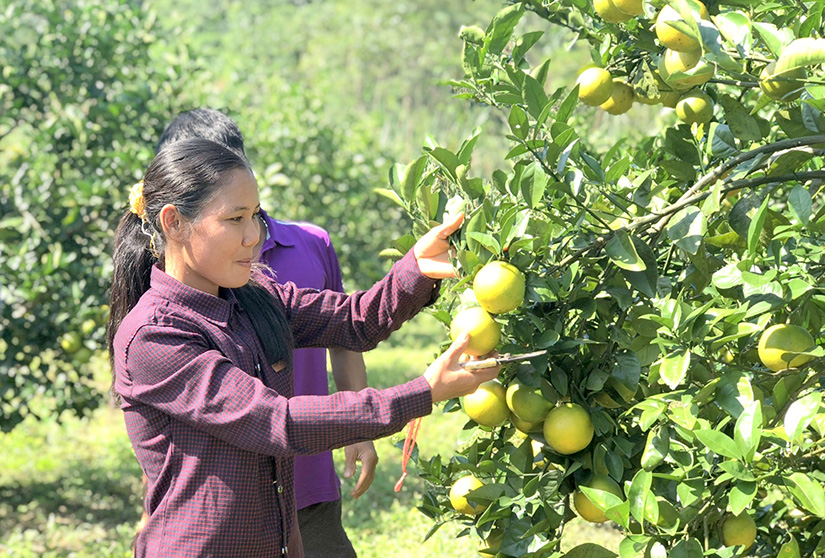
681 68
566 428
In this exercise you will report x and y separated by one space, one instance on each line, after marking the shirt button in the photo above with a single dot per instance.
280 489
283 550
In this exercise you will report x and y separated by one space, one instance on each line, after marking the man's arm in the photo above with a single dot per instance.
350 374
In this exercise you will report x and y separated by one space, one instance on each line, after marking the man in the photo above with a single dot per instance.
303 254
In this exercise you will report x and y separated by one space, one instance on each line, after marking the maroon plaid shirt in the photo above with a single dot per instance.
211 437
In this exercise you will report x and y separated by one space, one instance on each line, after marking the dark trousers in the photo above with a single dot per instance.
322 533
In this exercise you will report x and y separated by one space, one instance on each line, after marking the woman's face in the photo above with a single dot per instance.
218 248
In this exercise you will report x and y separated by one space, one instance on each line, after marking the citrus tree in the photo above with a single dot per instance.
82 103
675 282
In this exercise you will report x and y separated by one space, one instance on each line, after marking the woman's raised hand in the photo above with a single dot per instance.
449 379
432 250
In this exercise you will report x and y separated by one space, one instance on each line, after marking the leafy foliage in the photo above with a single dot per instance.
653 266
82 102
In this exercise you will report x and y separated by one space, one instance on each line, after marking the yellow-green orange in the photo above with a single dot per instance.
490 545
608 11
595 86
587 509
527 403
670 36
483 329
71 342
621 99
778 340
568 428
632 7
499 287
526 427
739 530
785 87
695 107
487 405
458 495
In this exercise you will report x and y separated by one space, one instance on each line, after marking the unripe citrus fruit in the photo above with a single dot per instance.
458 495
780 339
71 342
632 7
568 428
785 87
621 99
527 403
499 287
595 86
526 427
490 545
695 107
739 529
487 405
483 330
88 327
608 11
587 509
670 99
670 36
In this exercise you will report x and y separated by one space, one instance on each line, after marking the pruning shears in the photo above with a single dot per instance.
502 359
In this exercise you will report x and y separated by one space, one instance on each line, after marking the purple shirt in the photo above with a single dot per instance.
302 253
211 437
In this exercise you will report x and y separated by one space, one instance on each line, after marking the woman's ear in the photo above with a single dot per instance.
171 221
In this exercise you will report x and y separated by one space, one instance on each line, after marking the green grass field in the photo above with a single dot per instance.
72 490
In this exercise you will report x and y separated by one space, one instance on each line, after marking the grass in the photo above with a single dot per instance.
72 489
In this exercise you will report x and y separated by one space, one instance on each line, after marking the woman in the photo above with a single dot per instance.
200 343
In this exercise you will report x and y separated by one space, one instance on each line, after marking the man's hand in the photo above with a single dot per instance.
366 454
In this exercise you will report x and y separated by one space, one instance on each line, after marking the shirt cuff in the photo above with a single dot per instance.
409 276
415 399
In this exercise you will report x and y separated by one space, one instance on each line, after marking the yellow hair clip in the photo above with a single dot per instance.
137 204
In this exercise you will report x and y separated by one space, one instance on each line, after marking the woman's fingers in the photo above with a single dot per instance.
432 250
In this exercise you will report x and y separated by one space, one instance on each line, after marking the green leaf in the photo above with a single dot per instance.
643 281
590 550
748 431
486 240
776 39
735 27
722 141
801 204
801 413
741 496
534 96
412 178
622 252
687 228
501 28
447 160
718 443
757 223
808 491
690 548
638 494
673 368
789 550
656 448
742 124
519 124
533 184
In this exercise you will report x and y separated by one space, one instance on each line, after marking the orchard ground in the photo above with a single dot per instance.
73 489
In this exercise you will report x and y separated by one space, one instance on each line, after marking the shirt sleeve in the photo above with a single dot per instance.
334 281
357 322
173 370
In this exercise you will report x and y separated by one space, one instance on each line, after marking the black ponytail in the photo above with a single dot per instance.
187 174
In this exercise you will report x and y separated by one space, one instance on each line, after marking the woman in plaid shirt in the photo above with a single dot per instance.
200 343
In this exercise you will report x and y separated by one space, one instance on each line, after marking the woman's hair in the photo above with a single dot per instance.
187 174
203 123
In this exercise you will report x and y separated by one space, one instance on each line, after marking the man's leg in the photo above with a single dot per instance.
322 533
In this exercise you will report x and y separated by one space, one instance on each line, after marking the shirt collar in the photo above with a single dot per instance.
214 308
279 233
